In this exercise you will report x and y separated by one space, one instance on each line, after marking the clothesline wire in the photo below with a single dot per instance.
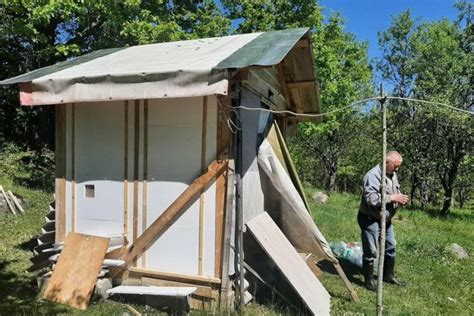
433 103
348 106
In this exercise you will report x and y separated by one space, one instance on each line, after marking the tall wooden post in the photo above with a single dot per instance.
239 253
383 227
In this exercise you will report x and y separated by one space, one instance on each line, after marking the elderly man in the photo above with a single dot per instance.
369 219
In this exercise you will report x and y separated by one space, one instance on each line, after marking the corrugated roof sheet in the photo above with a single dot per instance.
266 50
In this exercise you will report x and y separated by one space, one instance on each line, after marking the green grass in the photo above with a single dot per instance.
437 282
18 291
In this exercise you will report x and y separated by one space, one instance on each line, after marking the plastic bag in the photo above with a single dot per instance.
351 252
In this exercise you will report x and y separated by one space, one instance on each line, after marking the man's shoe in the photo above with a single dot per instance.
388 272
369 280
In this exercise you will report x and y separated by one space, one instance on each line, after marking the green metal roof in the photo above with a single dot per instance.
266 50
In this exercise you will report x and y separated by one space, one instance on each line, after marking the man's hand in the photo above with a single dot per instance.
399 198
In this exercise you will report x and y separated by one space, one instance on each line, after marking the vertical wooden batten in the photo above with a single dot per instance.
222 148
136 164
73 169
60 172
202 196
125 171
145 174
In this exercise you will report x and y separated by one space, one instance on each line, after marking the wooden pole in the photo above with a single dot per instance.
384 206
10 206
240 223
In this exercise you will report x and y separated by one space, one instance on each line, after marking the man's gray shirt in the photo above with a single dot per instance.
370 203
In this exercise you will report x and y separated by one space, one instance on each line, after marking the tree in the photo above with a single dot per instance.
267 15
35 34
431 61
345 76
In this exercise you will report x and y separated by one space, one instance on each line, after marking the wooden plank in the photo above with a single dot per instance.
46 237
73 169
347 283
284 87
16 202
291 166
202 195
75 274
49 227
301 84
177 277
265 90
10 206
145 174
173 212
116 253
125 170
204 291
60 172
136 163
226 242
289 262
302 43
222 144
133 310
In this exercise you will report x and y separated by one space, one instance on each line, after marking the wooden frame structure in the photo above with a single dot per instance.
284 86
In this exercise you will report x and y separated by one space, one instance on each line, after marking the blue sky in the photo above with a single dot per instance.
365 18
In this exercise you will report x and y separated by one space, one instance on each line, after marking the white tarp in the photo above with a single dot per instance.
164 70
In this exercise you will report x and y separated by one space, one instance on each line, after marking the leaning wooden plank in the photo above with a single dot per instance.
49 227
40 248
51 216
173 212
46 238
289 262
16 202
10 206
75 274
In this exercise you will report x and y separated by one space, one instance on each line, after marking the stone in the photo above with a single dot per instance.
457 251
102 286
320 197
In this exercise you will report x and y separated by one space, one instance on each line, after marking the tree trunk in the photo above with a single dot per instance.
414 185
331 185
447 201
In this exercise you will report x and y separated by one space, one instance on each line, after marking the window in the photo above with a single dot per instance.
90 191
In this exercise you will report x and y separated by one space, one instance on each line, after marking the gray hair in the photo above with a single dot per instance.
394 156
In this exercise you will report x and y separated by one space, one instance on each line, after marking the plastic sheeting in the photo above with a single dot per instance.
286 207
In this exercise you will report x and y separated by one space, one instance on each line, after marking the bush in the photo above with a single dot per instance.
26 167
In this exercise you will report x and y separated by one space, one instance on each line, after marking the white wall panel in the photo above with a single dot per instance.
99 162
174 161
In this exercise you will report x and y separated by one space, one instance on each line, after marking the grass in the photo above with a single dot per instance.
438 283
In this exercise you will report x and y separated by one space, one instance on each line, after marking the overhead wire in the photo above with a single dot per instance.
432 103
340 109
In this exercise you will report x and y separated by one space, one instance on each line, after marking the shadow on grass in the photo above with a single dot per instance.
353 272
18 293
